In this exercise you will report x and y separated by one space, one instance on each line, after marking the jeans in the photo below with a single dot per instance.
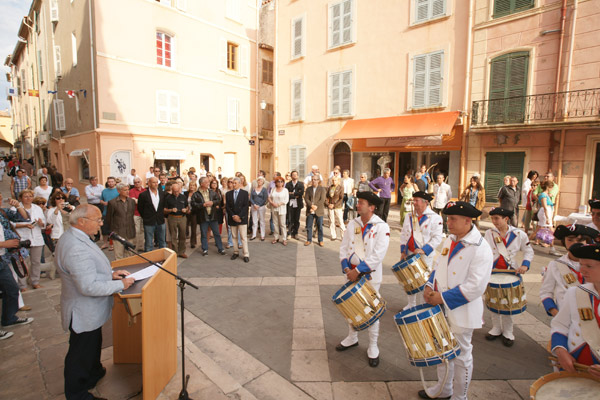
214 226
309 227
154 232
10 294
384 209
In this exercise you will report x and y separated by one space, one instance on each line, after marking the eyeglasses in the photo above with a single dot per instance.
97 220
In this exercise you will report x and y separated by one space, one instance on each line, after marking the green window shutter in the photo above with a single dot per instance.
497 166
508 88
506 7
498 72
514 164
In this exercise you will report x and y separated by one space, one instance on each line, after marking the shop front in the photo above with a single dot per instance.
169 159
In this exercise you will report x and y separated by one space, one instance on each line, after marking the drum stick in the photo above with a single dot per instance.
504 271
578 366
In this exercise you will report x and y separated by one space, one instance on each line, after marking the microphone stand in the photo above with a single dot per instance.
183 395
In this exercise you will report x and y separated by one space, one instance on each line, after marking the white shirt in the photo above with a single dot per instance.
130 179
149 175
516 240
93 193
442 193
35 234
431 227
348 185
39 192
155 199
57 223
525 191
278 198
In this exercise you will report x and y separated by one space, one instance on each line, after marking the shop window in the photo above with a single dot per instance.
497 166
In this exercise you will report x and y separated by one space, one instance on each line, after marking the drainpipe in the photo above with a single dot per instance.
275 90
563 18
466 108
92 61
570 63
560 165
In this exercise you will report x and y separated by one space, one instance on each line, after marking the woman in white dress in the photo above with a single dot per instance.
43 190
278 200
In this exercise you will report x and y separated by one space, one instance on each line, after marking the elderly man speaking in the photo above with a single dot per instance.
87 285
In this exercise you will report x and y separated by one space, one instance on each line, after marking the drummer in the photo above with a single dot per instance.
595 210
563 272
576 328
369 236
422 238
506 241
459 279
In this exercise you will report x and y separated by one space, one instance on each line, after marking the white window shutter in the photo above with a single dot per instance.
57 62
74 49
346 93
59 115
174 108
335 94
244 54
298 37
182 4
297 94
419 77
438 8
293 158
162 106
223 53
54 10
301 167
347 21
434 91
422 10
336 16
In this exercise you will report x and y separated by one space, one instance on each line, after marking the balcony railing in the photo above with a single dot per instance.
578 105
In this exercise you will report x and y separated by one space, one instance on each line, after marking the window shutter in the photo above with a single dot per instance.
494 173
293 158
244 60
223 53
162 106
265 74
521 5
297 100
347 22
335 94
59 115
434 91
421 10
438 8
74 49
419 78
232 114
40 68
57 62
514 163
54 10
297 38
335 12
517 88
174 108
301 166
498 70
501 7
346 92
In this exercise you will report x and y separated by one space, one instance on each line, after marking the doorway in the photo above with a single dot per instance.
342 156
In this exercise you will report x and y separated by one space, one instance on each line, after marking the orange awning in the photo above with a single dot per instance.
419 125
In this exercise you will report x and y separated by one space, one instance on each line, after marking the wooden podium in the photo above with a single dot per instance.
144 321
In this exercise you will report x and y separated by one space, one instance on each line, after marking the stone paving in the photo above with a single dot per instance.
267 330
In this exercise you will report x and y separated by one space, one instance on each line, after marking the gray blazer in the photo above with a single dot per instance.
87 285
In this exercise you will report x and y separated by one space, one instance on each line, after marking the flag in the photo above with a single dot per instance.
52 91
70 93
33 92
11 91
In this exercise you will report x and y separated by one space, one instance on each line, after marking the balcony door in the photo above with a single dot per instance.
508 88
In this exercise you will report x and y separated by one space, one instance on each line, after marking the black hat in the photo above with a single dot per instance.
423 195
594 204
562 231
371 197
505 212
586 251
461 208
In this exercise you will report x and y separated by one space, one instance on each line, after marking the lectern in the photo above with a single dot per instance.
145 321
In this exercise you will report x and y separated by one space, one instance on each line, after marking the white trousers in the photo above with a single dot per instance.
415 300
242 230
373 350
502 325
280 231
258 217
336 215
460 368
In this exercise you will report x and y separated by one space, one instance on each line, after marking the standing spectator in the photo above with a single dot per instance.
363 183
531 177
529 207
424 177
443 193
150 173
337 171
19 183
32 230
151 205
407 189
510 197
206 203
71 192
553 192
108 193
176 207
27 167
334 202
119 216
352 203
296 190
93 192
262 174
278 200
2 170
546 209
474 194
54 216
134 193
202 171
505 182
56 178
384 185
42 190
219 204
348 186
163 182
314 197
192 217
131 178
421 184
258 201
313 172
237 203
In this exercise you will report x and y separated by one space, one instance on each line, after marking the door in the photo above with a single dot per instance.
342 156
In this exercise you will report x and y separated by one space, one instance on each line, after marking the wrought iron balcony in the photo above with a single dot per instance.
578 105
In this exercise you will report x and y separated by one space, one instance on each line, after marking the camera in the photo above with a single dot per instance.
24 243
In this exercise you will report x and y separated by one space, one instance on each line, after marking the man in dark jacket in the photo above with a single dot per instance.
205 203
510 197
237 204
151 204
296 189
119 216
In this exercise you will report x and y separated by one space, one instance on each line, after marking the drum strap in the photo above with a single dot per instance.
499 242
441 268
359 244
417 234
569 275
590 327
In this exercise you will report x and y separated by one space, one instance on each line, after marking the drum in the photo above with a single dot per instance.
359 303
565 385
505 294
427 336
412 273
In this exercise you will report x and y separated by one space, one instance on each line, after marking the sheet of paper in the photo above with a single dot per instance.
144 273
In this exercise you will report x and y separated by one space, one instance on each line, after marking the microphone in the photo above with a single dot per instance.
123 241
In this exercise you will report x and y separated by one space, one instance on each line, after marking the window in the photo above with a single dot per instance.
59 115
425 10
74 48
232 56
427 79
267 118
233 10
298 37
167 107
506 7
40 68
340 93
57 62
341 21
497 166
164 49
233 114
267 72
24 81
508 88
84 168
297 100
298 159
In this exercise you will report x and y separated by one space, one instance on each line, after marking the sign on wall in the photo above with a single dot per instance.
120 164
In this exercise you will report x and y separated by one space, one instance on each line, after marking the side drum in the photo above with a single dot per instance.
412 273
359 303
505 294
565 385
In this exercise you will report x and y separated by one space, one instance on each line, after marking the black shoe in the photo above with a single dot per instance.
204 252
374 362
489 336
252 238
423 394
96 379
222 252
234 256
341 347
507 342
246 259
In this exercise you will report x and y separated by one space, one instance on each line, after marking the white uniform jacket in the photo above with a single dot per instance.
461 276
515 240
431 226
566 325
376 239
555 283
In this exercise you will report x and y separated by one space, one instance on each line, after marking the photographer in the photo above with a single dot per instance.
54 215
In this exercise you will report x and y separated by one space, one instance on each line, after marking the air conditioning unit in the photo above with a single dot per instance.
43 139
